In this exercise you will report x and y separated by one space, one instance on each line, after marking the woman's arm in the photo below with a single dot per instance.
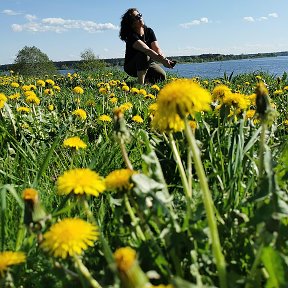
155 47
157 56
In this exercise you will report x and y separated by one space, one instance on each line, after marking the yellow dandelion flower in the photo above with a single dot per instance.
119 179
250 113
285 122
143 92
51 107
113 100
103 90
285 88
155 87
32 99
236 99
30 94
126 106
9 258
220 91
125 258
74 142
49 91
278 92
80 181
25 88
80 113
69 237
57 88
125 88
78 90
14 85
23 109
3 100
40 83
105 118
176 100
134 90
137 118
50 82
14 96
150 96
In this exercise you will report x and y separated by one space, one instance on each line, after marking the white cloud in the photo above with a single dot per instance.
262 18
249 19
203 20
30 17
60 25
10 12
273 15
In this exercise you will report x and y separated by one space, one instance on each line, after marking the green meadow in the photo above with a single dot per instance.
106 183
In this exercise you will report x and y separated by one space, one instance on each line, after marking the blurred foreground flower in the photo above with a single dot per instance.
119 179
34 213
9 258
80 181
130 272
69 237
74 142
178 99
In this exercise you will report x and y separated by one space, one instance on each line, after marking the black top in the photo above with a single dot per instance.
148 38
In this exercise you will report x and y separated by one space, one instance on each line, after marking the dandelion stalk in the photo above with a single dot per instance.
133 218
209 207
85 272
187 189
125 155
262 150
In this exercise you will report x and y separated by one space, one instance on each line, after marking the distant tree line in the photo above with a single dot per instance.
32 59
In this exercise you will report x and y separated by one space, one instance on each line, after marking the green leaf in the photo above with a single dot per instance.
274 265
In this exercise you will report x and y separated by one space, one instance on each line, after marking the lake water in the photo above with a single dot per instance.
273 65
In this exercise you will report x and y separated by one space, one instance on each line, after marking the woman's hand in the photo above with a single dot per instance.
168 63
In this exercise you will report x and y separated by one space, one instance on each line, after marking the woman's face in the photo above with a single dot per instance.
137 19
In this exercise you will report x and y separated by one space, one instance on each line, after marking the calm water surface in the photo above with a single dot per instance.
273 65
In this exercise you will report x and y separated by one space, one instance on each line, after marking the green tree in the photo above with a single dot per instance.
31 61
89 62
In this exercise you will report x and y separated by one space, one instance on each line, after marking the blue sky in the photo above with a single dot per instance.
63 29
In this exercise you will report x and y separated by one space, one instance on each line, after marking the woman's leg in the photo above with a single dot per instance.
138 66
155 73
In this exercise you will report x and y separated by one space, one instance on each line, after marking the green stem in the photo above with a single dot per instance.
262 150
85 272
125 155
187 189
209 207
133 218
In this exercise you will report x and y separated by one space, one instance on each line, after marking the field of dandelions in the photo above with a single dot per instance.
106 183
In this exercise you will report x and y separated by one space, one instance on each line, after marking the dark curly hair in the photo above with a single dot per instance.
126 24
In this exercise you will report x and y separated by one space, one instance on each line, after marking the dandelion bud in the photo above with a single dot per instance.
120 129
262 99
130 272
34 213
